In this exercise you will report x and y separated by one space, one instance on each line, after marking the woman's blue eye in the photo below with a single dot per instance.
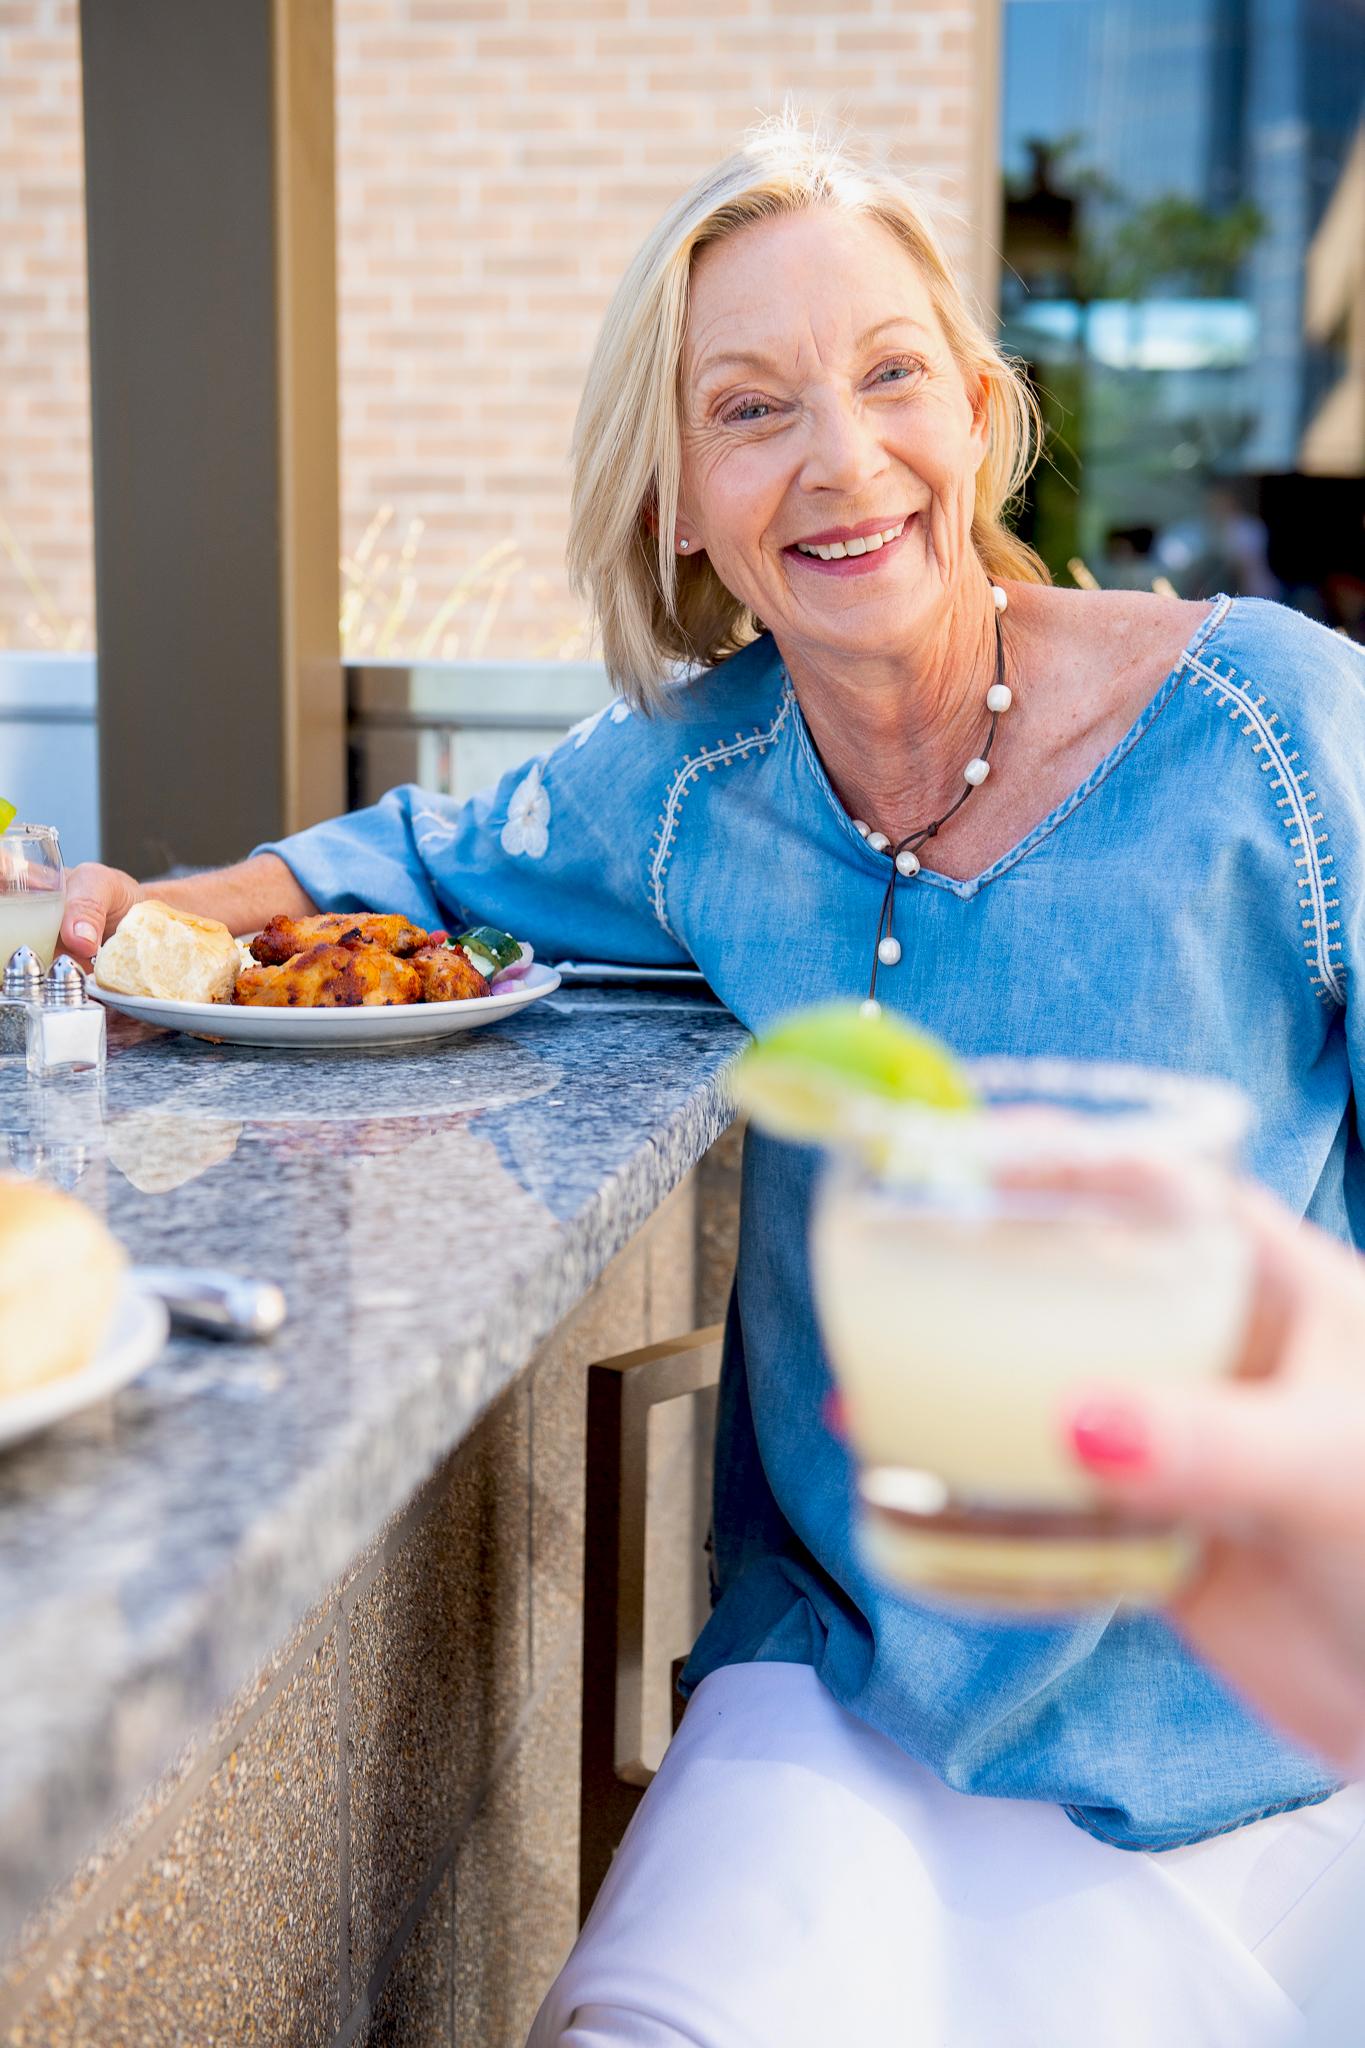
896 370
752 408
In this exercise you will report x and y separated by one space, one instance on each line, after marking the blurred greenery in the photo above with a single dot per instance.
1175 247
1110 458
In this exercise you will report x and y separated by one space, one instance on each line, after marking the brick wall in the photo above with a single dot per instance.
46 593
498 160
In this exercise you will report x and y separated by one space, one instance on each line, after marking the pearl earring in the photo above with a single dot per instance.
684 545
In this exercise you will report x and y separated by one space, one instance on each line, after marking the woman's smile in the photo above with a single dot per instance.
851 550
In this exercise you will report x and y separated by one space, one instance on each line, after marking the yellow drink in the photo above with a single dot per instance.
955 1343
31 918
962 1298
32 891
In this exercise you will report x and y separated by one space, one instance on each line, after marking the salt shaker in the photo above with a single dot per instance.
23 984
65 1032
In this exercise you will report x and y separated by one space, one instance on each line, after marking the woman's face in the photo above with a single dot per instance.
822 408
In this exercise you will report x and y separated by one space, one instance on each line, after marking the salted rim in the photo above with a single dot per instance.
1084 1109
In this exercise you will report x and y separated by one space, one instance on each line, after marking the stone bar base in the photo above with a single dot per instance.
378 1842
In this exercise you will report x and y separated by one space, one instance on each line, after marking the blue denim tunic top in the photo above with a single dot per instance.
1197 903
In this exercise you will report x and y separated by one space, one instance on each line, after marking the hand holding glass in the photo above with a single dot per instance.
1066 1234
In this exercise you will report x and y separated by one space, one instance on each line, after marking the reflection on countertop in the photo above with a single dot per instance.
431 1213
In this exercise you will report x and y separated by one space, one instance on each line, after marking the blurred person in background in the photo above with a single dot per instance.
1127 562
1225 548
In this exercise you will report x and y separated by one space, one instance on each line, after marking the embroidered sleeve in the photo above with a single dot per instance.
1325 775
557 852
1290 761
1341 804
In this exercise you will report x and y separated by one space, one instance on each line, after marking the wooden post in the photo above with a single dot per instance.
987 183
615 1765
212 259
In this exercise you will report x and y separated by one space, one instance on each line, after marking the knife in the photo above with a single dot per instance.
213 1303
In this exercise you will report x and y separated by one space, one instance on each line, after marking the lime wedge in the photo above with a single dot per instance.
816 1075
8 814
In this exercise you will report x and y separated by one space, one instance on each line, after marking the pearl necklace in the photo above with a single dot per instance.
904 857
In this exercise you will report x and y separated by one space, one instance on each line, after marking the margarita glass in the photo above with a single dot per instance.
975 1267
32 891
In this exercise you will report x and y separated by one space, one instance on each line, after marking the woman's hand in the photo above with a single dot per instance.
1272 1466
243 898
97 901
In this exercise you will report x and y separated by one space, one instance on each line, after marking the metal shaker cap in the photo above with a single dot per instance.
23 976
65 985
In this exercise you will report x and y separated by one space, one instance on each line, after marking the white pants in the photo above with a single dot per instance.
793 1880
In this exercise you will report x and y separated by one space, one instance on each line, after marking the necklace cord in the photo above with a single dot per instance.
922 833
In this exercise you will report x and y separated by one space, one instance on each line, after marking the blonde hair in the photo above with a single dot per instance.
655 613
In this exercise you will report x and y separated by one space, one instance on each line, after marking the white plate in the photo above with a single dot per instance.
135 1337
366 1024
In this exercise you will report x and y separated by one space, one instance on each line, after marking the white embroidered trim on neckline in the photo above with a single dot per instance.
740 748
1312 856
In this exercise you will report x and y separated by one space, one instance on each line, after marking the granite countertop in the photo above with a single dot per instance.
432 1213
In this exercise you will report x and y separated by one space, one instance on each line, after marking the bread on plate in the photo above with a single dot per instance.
60 1276
170 954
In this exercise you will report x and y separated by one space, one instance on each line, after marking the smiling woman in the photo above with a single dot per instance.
882 1820
702 311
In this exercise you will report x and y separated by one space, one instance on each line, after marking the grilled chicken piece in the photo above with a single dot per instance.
448 975
331 977
283 937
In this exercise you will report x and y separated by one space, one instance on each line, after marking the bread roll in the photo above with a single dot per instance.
172 954
60 1274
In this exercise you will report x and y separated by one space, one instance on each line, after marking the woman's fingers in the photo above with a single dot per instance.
1289 1456
96 899
1282 1443
1308 1310
1252 1617
87 911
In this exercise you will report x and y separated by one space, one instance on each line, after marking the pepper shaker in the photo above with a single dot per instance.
23 985
65 1032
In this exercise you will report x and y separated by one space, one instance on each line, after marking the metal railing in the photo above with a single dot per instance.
458 726
49 765
450 726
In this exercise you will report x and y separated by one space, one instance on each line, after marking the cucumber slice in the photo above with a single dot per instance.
499 949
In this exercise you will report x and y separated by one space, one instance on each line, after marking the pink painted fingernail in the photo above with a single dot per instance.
1110 1436
86 934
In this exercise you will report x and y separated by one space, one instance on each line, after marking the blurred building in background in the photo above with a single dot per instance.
1333 440
1182 272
